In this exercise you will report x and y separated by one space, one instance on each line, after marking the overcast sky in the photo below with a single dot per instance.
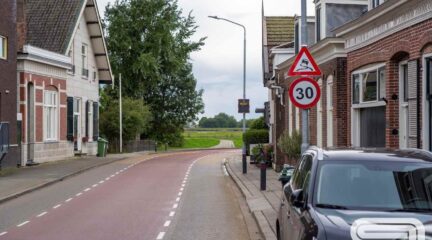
218 67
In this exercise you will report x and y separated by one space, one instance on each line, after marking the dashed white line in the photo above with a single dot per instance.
95 185
78 194
167 223
113 175
172 214
175 205
178 199
69 199
57 206
87 189
100 182
184 182
42 214
180 193
108 178
181 189
160 236
22 224
3 233
183 185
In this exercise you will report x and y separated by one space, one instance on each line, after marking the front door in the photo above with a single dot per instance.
403 105
77 125
30 123
372 127
429 98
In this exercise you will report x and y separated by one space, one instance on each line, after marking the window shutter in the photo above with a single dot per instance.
413 104
87 110
95 121
70 115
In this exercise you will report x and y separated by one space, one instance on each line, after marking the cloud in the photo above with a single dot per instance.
218 67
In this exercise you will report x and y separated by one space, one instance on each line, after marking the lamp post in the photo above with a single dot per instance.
244 85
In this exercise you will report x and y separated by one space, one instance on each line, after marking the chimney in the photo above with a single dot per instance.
21 24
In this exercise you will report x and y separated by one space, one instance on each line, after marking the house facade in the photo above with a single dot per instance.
62 59
389 52
9 129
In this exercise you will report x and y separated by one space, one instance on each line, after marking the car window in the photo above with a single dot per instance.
302 173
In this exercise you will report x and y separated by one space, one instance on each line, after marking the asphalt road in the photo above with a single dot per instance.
171 196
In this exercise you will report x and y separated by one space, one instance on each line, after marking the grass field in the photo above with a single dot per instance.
199 134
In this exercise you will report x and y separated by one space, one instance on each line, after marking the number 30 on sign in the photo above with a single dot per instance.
304 93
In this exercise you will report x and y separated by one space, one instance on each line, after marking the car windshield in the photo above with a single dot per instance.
381 185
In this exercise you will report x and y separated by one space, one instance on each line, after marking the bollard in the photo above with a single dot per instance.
244 162
263 175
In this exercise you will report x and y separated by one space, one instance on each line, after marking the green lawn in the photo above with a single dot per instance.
234 134
200 142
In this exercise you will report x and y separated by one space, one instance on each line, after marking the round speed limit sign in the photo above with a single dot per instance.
304 93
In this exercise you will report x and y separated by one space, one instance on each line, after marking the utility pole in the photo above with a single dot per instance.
121 113
305 112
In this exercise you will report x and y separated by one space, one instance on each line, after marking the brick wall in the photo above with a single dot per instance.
407 44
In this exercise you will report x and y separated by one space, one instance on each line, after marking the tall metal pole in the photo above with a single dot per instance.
244 164
305 113
121 113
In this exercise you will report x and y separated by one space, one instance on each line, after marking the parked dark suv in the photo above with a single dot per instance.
332 190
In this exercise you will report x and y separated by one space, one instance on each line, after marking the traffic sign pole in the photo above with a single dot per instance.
305 113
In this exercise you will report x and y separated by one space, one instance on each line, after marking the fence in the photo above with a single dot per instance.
133 146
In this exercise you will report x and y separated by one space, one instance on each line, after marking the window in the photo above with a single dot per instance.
369 85
302 174
318 24
3 47
405 82
71 55
50 115
376 3
84 52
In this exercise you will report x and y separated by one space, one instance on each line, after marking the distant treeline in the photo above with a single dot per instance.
223 120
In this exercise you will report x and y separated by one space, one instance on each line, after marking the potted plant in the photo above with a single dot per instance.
290 145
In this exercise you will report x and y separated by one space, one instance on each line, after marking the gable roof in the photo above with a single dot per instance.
50 23
279 30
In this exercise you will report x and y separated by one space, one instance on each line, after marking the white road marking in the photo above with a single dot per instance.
22 224
171 214
160 236
183 185
180 193
87 189
78 194
68 200
113 175
167 223
184 182
3 233
181 189
95 185
42 214
175 205
57 206
108 178
100 182
178 199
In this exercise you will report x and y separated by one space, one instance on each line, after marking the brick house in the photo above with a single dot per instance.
8 87
62 59
389 62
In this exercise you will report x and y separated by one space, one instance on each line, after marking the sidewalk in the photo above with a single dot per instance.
20 181
264 205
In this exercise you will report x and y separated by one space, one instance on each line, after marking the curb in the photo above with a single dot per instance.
262 222
43 185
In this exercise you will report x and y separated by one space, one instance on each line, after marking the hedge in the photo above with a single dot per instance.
255 136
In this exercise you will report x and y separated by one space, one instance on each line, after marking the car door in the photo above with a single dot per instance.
300 181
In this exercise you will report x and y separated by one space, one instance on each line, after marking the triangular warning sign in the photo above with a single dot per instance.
304 65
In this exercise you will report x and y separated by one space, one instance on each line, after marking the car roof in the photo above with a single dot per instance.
373 154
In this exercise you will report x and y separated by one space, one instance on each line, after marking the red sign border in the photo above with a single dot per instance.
291 93
304 50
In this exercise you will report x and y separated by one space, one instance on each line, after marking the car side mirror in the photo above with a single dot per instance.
296 198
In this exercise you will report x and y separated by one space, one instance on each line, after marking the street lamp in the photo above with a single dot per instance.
244 85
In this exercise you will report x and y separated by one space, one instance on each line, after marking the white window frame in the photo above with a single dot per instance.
54 116
360 72
319 118
84 58
90 121
425 106
3 47
330 108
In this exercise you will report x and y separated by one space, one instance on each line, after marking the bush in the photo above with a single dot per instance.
254 136
290 145
258 123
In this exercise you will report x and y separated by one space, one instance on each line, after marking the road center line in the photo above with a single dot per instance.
180 193
78 194
178 199
3 233
181 189
87 189
183 185
113 175
22 224
160 236
171 214
167 223
175 205
42 214
57 206
69 199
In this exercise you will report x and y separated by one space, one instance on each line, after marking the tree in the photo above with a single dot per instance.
222 120
258 123
149 43
136 118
